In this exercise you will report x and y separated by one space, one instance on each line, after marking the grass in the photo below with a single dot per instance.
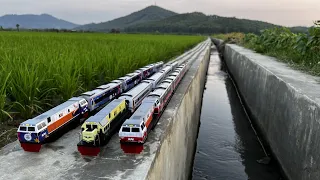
41 70
300 51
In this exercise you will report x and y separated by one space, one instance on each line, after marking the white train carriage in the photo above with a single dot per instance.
101 95
160 96
135 96
166 70
155 79
174 78
136 128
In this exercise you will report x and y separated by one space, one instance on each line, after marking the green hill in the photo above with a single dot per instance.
148 14
197 22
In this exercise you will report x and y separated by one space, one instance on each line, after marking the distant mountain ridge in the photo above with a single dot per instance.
198 22
148 14
31 21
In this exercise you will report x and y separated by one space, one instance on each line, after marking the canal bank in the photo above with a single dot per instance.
227 146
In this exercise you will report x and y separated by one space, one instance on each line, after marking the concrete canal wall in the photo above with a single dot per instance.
285 105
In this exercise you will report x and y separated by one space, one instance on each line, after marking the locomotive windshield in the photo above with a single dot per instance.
125 129
31 128
22 128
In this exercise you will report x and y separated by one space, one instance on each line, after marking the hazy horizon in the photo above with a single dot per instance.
281 12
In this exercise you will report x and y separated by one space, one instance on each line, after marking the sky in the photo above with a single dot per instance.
281 12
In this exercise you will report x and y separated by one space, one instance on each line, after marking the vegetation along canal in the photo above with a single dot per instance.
227 147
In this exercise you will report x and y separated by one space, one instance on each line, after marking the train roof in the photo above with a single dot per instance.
129 122
52 111
150 98
174 74
93 92
117 81
102 114
136 90
140 113
156 92
107 86
164 84
155 76
166 68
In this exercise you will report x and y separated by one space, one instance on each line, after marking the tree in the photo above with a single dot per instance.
17 25
1 28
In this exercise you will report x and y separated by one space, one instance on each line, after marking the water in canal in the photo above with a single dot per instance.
227 147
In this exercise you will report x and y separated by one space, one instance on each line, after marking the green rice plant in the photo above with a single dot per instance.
49 68
4 78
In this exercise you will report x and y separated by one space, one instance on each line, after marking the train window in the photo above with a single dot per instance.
109 115
43 124
115 113
141 127
135 130
125 129
39 126
94 127
22 128
49 119
89 128
68 110
31 128
82 102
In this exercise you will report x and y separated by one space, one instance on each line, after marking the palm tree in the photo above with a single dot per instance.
18 26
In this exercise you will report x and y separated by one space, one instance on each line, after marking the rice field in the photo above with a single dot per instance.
41 70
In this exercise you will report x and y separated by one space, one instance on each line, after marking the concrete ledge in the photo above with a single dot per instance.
285 105
179 125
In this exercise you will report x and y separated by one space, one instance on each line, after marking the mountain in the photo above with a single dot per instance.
31 21
299 29
148 14
197 22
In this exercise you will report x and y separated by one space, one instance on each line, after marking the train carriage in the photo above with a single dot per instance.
155 79
131 80
157 66
102 95
166 70
135 96
33 132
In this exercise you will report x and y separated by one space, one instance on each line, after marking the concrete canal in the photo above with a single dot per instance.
227 146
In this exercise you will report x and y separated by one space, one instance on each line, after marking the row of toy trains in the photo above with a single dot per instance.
133 88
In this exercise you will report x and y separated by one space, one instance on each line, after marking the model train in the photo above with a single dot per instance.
137 127
34 132
97 129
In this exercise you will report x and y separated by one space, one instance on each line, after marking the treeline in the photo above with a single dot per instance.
115 31
43 30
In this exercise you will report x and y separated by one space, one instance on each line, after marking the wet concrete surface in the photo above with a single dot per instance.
61 160
227 147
